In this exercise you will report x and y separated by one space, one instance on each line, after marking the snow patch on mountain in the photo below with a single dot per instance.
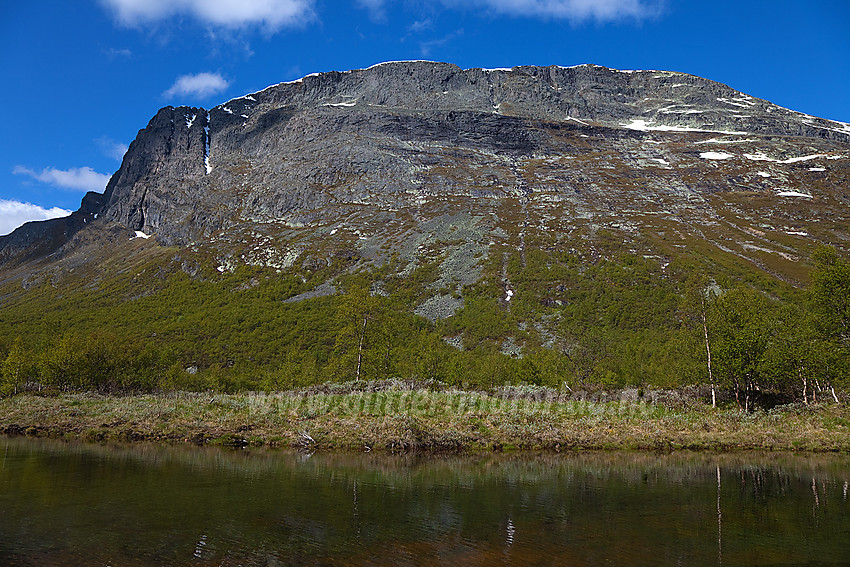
715 155
646 126
762 157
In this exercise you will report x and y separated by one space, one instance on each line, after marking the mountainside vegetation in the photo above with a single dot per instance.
617 322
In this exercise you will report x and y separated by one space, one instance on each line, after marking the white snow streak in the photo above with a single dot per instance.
719 141
207 145
391 62
762 157
715 155
743 101
793 194
845 128
804 158
301 80
677 109
758 157
644 126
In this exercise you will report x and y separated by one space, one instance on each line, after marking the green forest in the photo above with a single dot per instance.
614 322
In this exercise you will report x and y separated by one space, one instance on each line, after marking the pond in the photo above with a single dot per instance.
88 504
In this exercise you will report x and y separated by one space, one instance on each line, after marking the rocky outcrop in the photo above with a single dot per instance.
40 239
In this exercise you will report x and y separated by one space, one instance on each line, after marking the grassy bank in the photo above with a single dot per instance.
406 420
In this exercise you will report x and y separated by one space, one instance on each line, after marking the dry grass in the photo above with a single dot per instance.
405 420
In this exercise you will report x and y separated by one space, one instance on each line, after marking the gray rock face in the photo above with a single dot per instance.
374 153
162 171
38 239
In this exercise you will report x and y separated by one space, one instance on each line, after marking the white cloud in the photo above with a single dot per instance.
375 7
14 213
426 47
419 26
576 10
111 148
81 178
113 53
271 14
201 85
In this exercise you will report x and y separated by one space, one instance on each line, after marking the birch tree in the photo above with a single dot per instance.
361 334
829 296
741 326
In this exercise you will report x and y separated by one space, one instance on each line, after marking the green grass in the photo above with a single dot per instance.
405 420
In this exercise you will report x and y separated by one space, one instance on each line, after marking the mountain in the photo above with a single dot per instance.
380 150
415 169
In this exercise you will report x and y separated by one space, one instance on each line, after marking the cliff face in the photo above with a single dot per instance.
400 155
168 154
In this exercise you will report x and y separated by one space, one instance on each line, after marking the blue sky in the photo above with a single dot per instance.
81 77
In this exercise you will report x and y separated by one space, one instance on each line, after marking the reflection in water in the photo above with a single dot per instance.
199 549
76 504
719 523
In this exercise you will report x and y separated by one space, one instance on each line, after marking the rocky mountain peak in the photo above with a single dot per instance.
377 154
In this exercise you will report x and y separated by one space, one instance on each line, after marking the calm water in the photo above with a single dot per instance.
77 504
